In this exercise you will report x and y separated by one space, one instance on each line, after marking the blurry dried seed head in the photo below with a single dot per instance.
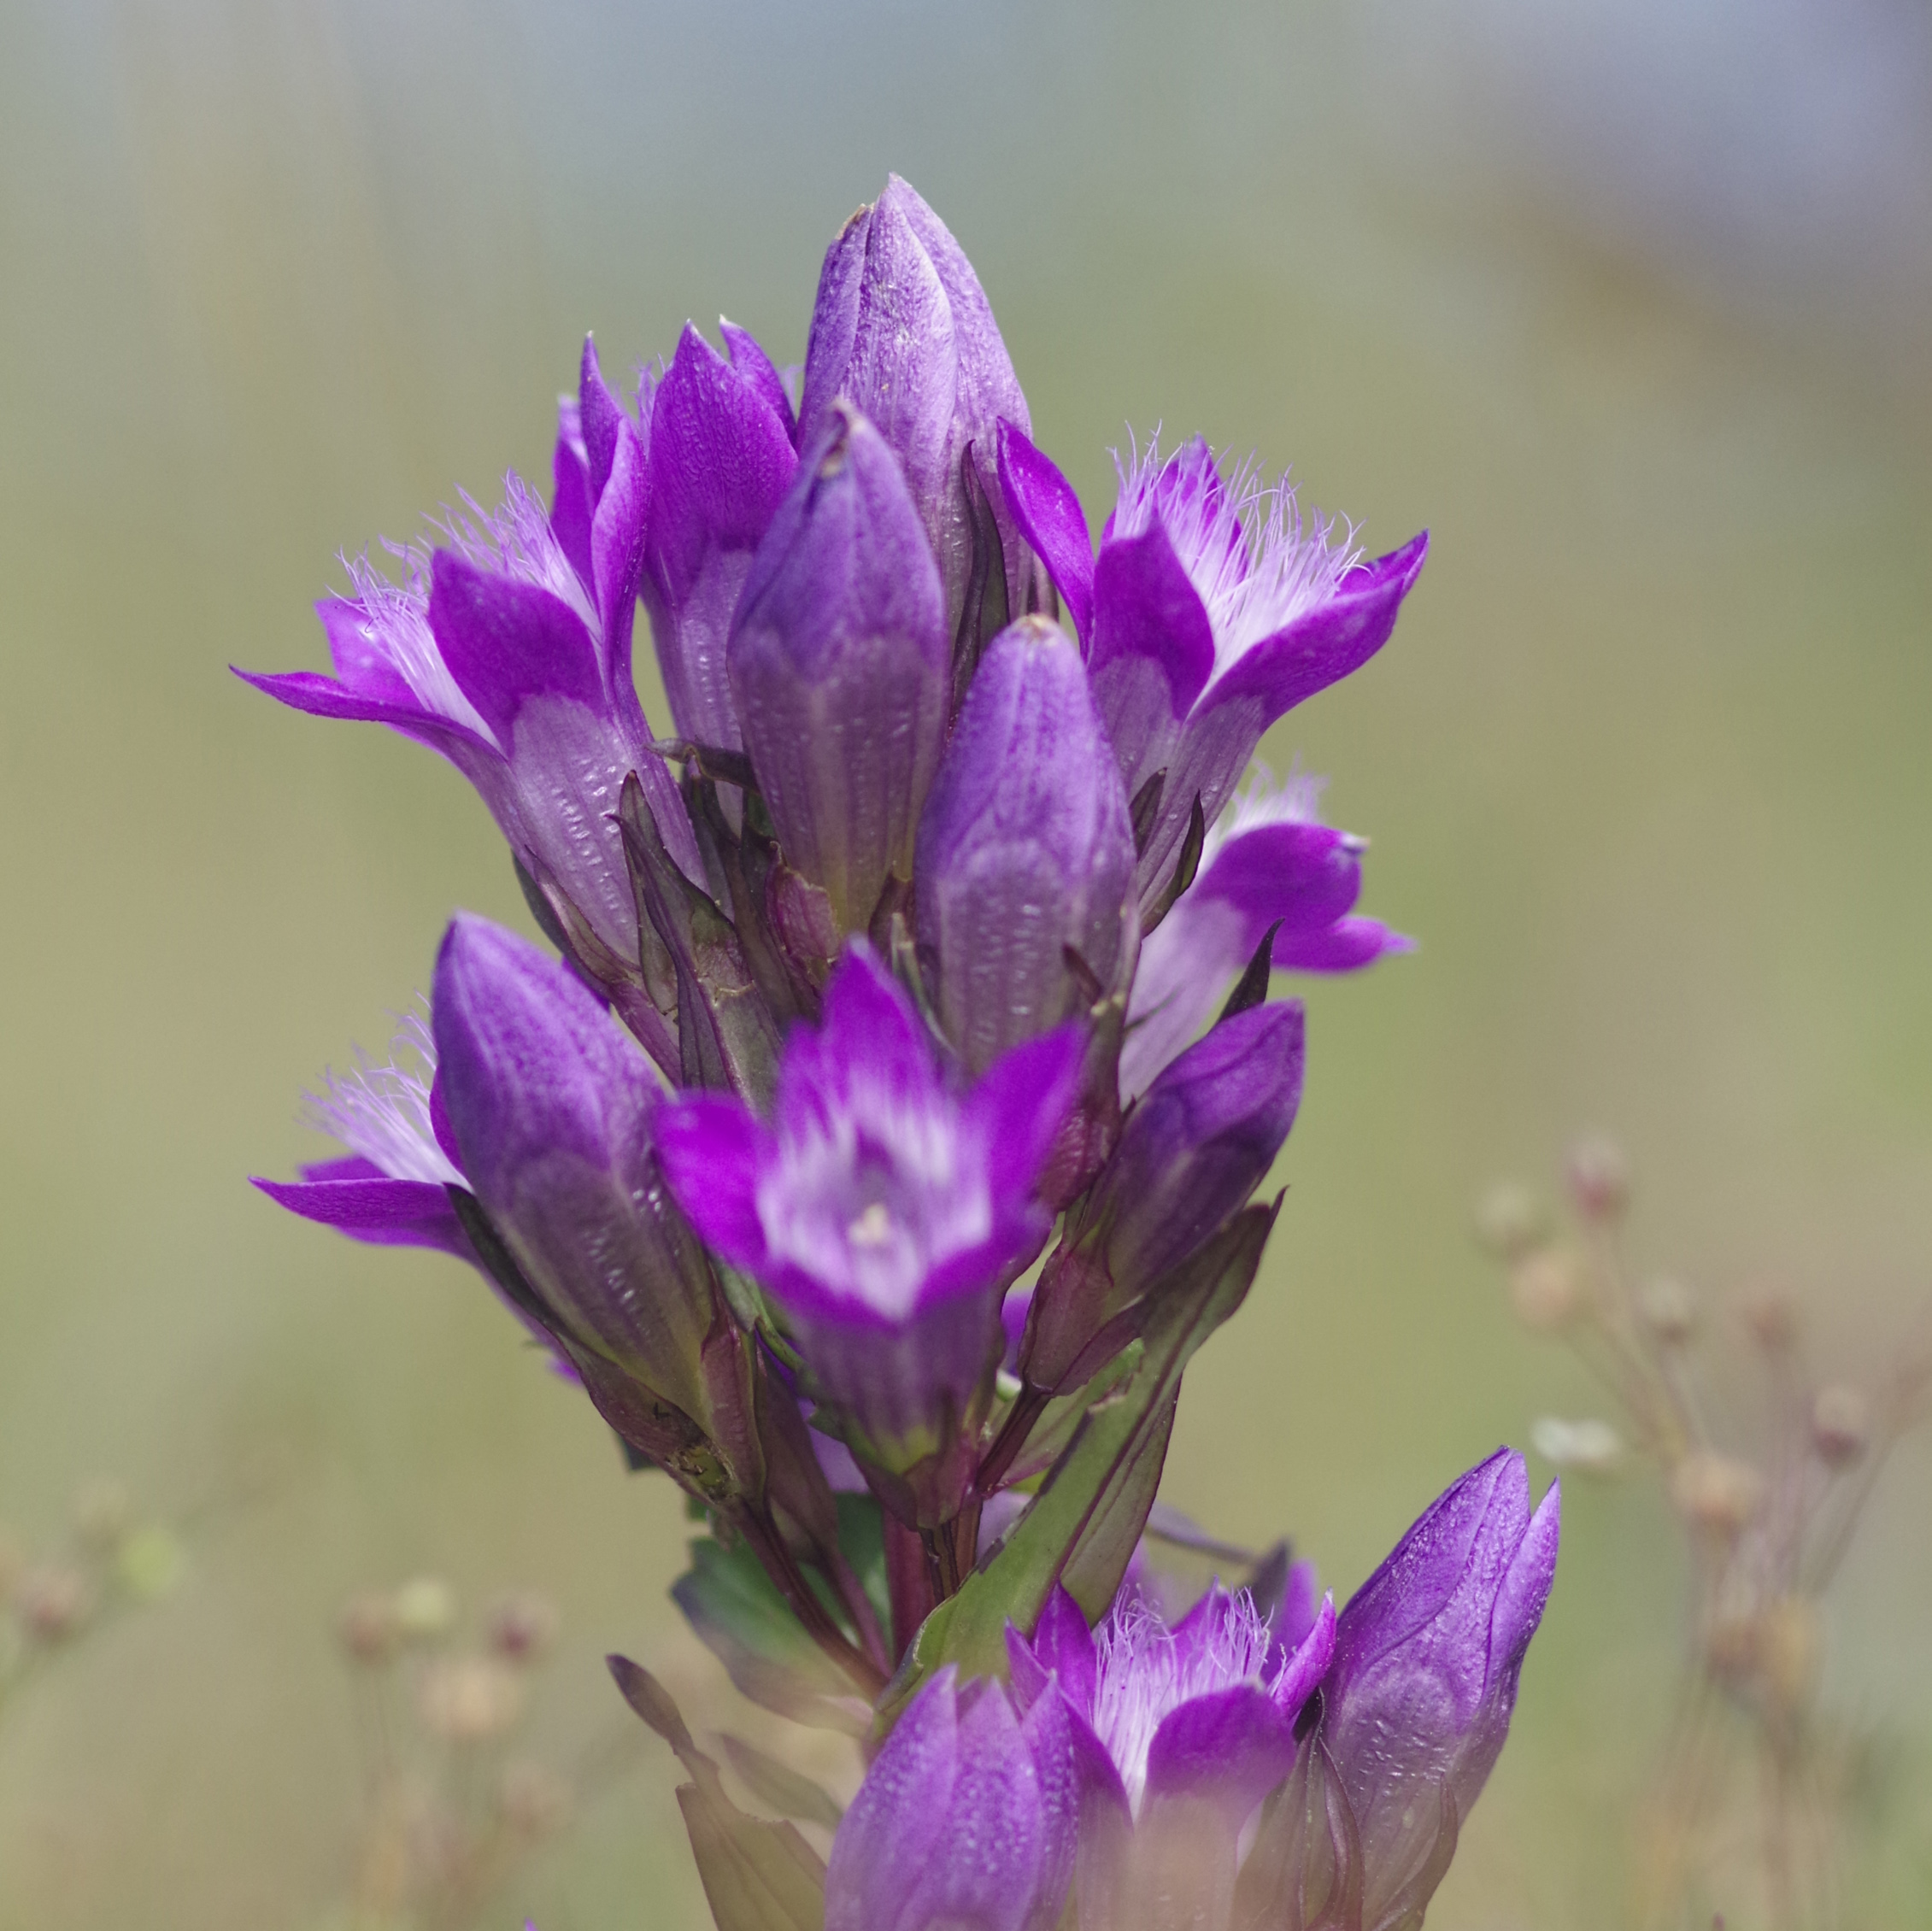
425 1609
1668 1309
1840 1424
1510 1221
522 1625
1589 1447
1598 1173
469 1698
367 1627
533 1800
1549 1288
1717 1493
55 1601
1769 1317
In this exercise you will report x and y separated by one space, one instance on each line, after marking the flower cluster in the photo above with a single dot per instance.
875 1139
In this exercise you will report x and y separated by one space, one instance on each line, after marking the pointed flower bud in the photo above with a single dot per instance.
883 1211
969 1816
1195 1148
840 669
1211 609
509 652
903 329
1427 1655
1268 864
721 461
1026 850
553 1108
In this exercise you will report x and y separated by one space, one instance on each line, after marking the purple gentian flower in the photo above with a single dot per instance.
903 331
392 1187
969 1817
1268 864
1024 851
1195 1146
391 1190
1211 610
1191 1727
884 1209
721 461
509 652
839 668
553 1106
1427 1655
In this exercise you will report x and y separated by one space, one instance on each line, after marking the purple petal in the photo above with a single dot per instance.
1307 1664
599 419
1064 1646
1145 609
360 666
1348 946
1050 518
721 462
571 511
751 362
1304 876
1230 1748
617 554
323 697
710 1144
1336 638
506 642
1021 1104
373 1208
1525 1590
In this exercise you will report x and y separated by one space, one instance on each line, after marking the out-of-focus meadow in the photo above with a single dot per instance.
1627 302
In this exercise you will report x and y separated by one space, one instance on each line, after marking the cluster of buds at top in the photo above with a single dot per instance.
935 928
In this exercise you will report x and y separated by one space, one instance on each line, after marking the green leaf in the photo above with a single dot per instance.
1083 1524
757 1876
742 1619
779 1786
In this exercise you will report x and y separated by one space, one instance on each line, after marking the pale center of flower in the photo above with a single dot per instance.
1147 1671
873 1195
382 1112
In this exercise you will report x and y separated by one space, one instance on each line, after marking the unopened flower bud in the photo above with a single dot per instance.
466 1700
902 329
1427 1656
1548 1288
1717 1493
1669 1310
721 461
521 1626
1509 1221
553 1108
1026 848
1598 1173
841 670
102 1513
54 1602
1840 1424
368 1627
425 1609
1590 1447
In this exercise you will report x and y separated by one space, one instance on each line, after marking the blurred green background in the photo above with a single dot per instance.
1627 303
